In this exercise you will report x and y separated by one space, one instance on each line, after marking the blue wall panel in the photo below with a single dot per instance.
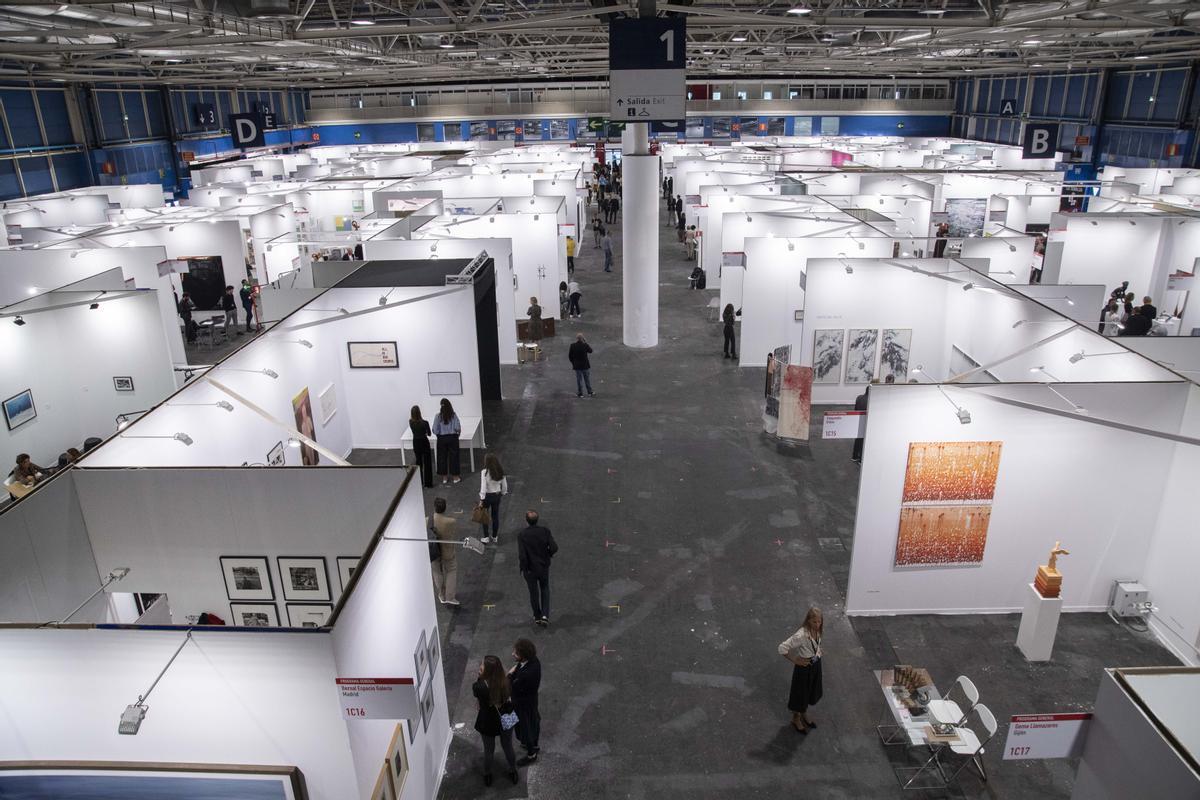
22 119
886 125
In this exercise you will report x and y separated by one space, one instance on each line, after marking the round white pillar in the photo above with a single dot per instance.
639 245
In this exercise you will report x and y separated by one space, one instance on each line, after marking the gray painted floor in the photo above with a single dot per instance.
690 546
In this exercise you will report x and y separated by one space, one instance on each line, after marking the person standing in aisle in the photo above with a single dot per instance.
247 295
578 354
614 208
536 546
670 187
607 245
729 317
422 452
534 312
570 255
185 308
230 308
939 246
803 649
860 404
494 694
597 230
526 678
670 211
573 295
492 486
689 242
445 567
679 225
666 192
447 428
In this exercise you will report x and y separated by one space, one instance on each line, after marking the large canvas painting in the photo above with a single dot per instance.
795 402
860 355
98 780
894 349
965 217
828 346
947 503
302 408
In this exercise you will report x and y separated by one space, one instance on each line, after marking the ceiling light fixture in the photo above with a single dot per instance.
799 10
362 22
738 38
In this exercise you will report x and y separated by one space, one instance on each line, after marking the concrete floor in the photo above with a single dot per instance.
690 546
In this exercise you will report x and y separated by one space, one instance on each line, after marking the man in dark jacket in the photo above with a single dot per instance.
247 295
525 677
230 308
578 354
1148 310
536 547
1138 323
860 404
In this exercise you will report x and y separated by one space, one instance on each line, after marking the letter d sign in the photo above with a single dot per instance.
247 130
1040 141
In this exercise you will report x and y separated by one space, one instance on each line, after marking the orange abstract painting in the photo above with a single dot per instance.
947 503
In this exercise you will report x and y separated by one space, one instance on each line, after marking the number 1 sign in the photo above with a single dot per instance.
646 64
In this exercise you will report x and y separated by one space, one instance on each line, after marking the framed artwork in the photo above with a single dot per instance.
302 410
345 567
123 383
275 458
19 409
247 578
427 706
434 651
828 347
397 760
444 384
947 503
421 660
412 731
255 615
304 578
308 615
373 355
131 780
860 355
384 790
894 349
328 401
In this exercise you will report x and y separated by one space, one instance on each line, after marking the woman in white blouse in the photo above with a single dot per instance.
803 649
492 485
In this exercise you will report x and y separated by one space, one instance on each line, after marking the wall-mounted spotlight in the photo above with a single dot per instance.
1068 300
1075 358
968 286
1021 322
749 218
1093 222
1132 222
135 713
114 575
293 441
1012 248
18 321
270 373
301 342
179 437
964 416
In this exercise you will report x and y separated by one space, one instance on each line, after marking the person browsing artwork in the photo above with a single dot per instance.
422 453
494 695
447 429
493 484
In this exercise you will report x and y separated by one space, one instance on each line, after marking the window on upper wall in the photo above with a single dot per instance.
716 95
768 94
802 126
426 132
532 129
742 95
559 129
830 126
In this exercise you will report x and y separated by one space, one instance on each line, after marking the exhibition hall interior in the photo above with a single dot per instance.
381 380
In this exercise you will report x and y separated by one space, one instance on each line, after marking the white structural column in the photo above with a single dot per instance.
639 245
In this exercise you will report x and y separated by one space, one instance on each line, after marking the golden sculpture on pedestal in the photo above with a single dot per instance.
1048 582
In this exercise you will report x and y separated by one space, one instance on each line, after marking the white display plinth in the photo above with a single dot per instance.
1039 625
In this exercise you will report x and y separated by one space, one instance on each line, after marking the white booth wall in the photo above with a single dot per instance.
1047 489
1079 301
1106 249
57 210
68 358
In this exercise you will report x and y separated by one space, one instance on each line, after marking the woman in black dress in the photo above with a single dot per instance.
494 694
422 452
803 649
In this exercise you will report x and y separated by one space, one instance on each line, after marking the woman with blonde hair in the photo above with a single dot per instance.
492 486
494 695
803 649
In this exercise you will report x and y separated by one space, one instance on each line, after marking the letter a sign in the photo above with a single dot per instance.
247 130
1040 141
1008 107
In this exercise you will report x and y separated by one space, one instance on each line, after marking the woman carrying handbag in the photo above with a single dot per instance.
496 717
492 486
803 649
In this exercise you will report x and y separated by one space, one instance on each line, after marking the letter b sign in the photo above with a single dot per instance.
1041 141
247 130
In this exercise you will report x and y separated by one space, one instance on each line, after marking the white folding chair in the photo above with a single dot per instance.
971 745
951 711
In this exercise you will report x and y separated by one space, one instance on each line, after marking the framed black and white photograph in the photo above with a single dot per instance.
247 578
123 383
19 409
345 567
255 615
308 615
304 579
373 355
275 458
427 706
434 651
444 384
421 660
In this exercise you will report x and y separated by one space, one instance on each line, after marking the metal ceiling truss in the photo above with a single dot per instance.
336 43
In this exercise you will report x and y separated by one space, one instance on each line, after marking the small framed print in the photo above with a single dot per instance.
373 355
255 615
123 383
433 650
384 790
247 578
442 384
19 409
304 578
308 615
427 706
397 760
275 457
346 565
421 660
